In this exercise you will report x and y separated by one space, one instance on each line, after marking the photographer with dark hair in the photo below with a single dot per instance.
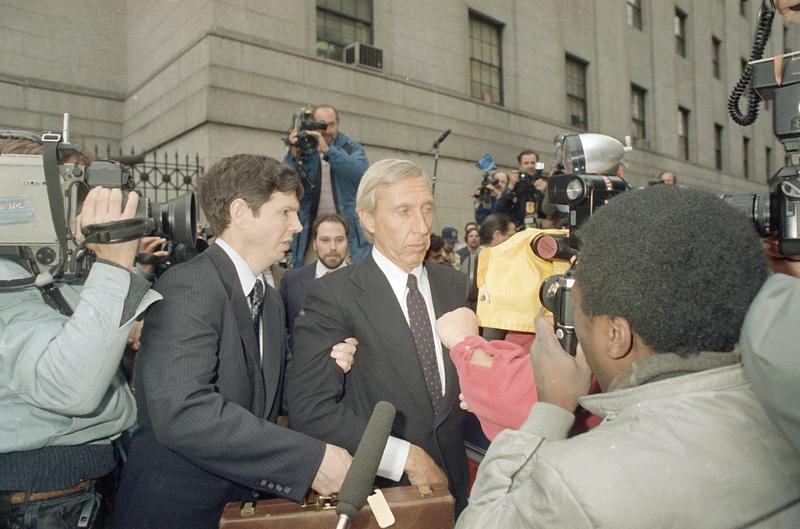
526 194
332 174
664 279
63 398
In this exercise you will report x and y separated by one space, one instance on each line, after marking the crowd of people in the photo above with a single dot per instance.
684 358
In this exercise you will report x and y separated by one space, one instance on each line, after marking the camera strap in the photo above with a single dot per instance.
117 231
54 193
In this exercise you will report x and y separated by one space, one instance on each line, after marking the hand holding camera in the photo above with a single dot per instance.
105 205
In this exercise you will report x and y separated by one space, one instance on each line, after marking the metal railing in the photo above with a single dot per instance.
159 176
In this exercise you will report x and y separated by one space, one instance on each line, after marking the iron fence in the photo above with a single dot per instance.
159 176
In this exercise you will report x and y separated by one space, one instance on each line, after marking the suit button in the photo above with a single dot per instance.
271 485
263 482
287 490
279 488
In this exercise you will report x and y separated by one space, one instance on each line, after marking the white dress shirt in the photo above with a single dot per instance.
321 269
395 454
247 279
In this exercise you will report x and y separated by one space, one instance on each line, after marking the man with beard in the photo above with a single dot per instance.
329 239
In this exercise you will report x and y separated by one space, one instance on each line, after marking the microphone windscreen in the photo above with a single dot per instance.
358 482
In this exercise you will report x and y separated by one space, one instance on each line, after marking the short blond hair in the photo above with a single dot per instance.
382 173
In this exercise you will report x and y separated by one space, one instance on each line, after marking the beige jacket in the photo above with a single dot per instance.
691 451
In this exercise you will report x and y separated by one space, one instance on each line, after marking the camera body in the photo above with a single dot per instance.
30 232
777 213
485 191
583 192
302 123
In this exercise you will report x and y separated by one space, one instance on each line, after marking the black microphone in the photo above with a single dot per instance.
358 482
441 138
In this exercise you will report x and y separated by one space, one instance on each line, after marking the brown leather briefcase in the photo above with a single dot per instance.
423 507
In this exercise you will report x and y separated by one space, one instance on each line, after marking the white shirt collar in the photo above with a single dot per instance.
322 269
246 277
398 278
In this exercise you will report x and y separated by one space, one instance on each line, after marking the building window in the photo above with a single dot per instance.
718 130
768 155
746 156
744 7
680 32
486 66
576 93
634 13
342 22
683 132
638 112
716 44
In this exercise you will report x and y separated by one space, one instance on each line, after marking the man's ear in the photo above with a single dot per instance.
619 335
238 211
367 221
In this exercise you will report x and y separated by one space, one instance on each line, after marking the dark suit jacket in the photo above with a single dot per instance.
294 284
323 402
206 407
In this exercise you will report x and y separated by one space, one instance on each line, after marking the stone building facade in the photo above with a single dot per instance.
217 77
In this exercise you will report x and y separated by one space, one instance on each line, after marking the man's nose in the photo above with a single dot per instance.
294 225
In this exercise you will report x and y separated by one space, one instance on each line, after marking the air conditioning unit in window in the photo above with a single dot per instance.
363 55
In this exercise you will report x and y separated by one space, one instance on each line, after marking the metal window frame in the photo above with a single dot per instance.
680 34
583 67
497 28
633 14
641 122
684 123
348 18
719 131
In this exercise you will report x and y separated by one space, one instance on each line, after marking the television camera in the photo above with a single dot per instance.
42 195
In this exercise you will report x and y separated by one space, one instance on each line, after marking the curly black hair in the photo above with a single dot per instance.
680 265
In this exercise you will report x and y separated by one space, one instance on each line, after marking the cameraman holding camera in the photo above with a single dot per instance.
526 194
332 173
63 398
661 342
487 193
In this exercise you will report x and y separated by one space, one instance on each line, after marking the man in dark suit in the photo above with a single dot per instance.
329 239
389 302
210 368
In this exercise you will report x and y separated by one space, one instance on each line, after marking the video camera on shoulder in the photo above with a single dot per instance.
42 195
303 122
775 214
590 164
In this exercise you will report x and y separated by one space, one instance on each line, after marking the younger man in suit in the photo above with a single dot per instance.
210 369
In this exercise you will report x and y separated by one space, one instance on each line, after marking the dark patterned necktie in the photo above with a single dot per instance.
256 304
420 323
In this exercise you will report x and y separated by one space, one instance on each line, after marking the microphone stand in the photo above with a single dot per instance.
435 151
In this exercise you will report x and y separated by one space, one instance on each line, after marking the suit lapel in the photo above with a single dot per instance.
242 315
383 313
441 292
